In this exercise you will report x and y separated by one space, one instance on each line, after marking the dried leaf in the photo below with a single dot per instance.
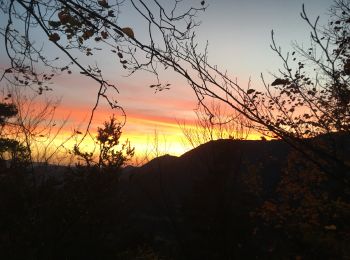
280 82
54 37
129 32
103 3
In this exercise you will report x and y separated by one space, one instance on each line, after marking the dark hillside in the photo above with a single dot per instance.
226 199
170 197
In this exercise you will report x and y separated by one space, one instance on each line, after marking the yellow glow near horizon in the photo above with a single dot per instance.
146 146
152 136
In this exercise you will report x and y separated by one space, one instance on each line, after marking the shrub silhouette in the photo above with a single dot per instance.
110 157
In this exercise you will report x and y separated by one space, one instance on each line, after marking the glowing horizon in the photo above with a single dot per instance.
238 33
150 135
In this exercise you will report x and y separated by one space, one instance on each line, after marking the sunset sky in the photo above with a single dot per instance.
238 32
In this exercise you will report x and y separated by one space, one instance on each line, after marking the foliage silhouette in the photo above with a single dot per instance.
34 126
6 111
215 125
12 152
310 209
110 157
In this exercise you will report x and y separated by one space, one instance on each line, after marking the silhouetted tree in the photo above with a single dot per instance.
307 98
6 111
310 211
14 152
218 124
11 150
308 106
110 155
35 125
310 95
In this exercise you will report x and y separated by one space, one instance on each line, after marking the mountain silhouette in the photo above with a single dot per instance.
165 199
210 203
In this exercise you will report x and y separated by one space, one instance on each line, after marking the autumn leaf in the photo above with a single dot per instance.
87 34
64 17
55 24
250 91
280 82
347 67
104 34
129 32
103 3
54 37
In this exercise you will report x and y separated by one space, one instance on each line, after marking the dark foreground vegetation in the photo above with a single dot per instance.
227 199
